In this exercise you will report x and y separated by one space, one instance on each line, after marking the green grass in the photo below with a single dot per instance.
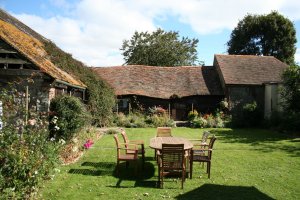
247 164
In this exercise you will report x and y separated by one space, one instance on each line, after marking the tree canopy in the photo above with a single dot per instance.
268 35
159 48
291 90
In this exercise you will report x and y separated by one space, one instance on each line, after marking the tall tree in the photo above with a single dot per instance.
269 35
159 48
291 89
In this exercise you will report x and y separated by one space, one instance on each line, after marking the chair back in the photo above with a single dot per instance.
124 136
172 156
210 146
163 132
204 137
117 144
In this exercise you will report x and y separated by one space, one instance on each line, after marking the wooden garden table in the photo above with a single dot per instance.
156 143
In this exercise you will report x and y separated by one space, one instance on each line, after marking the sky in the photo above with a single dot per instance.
93 30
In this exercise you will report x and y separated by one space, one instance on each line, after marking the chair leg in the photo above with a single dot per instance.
191 169
136 167
143 155
182 178
117 168
162 180
208 167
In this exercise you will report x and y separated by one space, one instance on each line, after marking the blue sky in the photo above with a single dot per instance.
93 30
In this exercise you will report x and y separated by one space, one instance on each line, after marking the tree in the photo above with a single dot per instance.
159 48
291 89
268 35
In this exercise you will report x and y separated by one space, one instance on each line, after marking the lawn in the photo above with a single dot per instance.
247 164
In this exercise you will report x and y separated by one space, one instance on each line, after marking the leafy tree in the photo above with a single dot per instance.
159 48
291 91
269 35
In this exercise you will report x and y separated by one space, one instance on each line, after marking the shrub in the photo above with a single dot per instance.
27 156
69 116
25 160
138 120
100 97
192 115
249 115
199 122
209 121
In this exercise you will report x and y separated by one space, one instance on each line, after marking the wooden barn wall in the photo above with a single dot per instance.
38 90
179 107
239 95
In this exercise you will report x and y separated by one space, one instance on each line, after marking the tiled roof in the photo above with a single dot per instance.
249 69
161 82
34 51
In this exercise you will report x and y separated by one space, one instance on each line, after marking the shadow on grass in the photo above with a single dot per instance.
262 140
212 191
99 169
139 175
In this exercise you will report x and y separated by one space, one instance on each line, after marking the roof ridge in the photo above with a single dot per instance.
238 55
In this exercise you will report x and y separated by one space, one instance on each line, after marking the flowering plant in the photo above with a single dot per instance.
88 144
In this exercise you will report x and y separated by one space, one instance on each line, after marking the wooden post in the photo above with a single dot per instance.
193 107
26 105
169 111
117 107
129 107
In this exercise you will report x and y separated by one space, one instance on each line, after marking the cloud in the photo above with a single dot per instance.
93 30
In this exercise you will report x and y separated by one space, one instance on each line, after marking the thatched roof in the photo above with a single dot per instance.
34 51
249 69
161 82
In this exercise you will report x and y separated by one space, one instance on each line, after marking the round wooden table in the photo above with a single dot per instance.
156 143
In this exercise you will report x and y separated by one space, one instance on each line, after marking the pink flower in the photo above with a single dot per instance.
88 144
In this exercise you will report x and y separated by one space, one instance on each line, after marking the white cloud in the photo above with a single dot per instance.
93 30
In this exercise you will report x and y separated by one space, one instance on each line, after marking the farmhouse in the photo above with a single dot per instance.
177 89
238 79
25 63
248 78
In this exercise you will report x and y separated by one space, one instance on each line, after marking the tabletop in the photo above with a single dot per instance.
156 143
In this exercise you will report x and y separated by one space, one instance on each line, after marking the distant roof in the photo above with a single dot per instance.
34 51
249 69
161 82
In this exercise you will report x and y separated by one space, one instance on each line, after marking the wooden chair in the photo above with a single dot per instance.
126 152
140 143
203 139
202 153
163 132
171 160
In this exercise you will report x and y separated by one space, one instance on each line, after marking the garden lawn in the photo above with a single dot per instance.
246 164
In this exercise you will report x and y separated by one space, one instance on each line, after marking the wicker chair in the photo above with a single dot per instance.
140 143
172 159
126 152
202 153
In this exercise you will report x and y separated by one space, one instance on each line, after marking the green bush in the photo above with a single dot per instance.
192 115
25 160
250 115
27 156
209 121
100 96
138 120
68 116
